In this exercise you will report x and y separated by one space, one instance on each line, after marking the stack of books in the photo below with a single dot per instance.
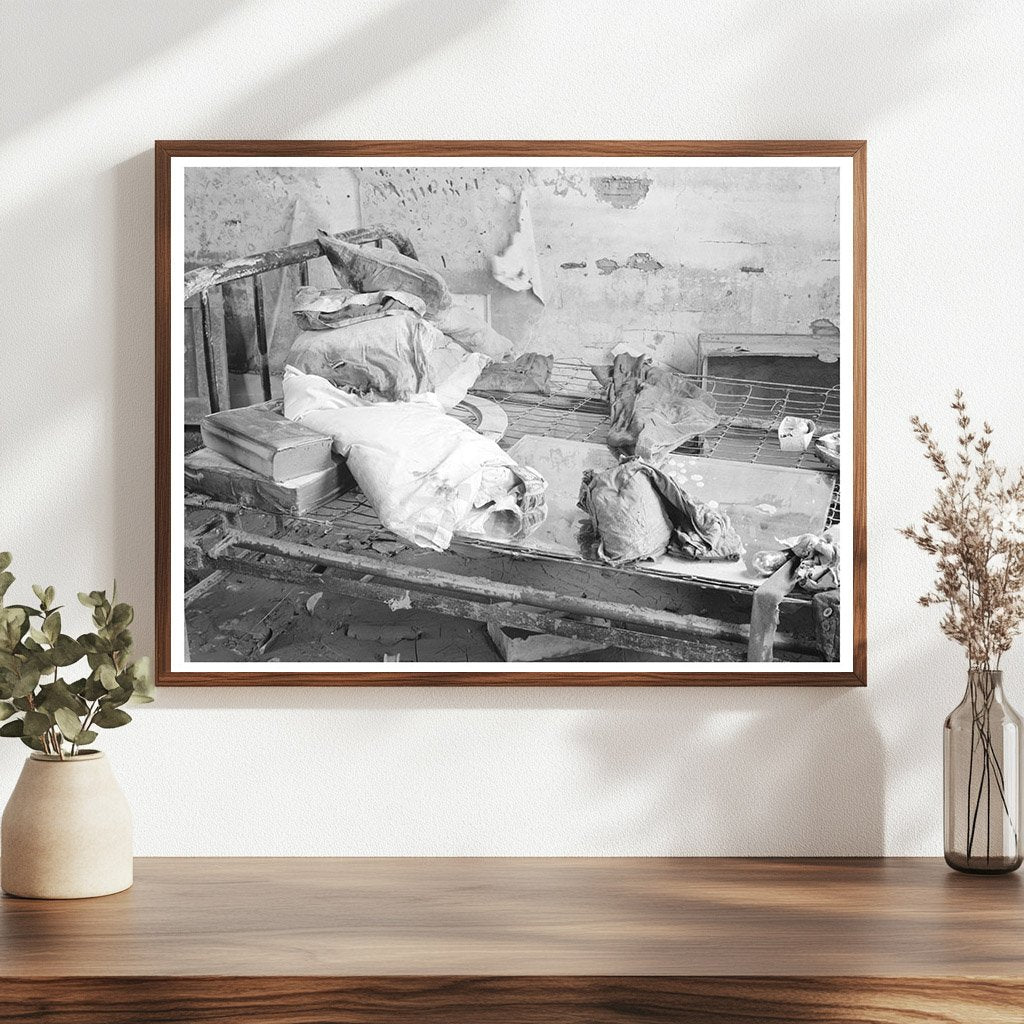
256 457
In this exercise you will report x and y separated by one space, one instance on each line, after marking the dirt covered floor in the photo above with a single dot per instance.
242 618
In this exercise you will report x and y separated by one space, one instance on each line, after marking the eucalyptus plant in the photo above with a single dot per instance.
37 704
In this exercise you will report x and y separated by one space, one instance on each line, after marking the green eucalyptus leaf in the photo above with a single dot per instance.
94 689
50 595
5 560
59 695
29 610
94 644
110 717
31 741
122 615
69 724
107 676
13 626
36 723
22 703
115 698
6 710
38 636
40 593
142 681
86 736
16 727
6 579
89 600
66 651
51 626
27 681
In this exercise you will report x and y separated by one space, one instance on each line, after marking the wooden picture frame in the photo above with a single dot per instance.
579 617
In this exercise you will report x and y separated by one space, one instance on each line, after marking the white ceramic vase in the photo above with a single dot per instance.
66 831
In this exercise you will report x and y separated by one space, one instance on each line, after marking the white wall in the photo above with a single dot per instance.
936 88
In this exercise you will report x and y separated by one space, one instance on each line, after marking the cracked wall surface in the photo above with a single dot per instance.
665 253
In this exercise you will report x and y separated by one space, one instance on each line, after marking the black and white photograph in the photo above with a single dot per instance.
511 414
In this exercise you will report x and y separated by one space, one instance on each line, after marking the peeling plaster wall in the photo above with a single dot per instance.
654 256
662 253
238 211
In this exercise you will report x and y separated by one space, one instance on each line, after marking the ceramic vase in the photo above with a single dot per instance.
66 831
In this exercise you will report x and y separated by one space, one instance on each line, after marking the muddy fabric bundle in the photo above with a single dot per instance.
653 410
638 511
322 309
365 269
392 357
530 374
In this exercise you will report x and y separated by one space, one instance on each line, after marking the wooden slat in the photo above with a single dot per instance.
261 335
678 648
492 590
209 356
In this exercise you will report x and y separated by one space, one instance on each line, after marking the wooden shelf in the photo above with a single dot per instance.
482 940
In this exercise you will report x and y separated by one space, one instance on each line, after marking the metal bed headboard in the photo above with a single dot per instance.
203 279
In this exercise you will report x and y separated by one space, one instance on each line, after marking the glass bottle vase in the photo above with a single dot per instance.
981 771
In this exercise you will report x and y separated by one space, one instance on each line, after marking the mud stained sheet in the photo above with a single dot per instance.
764 502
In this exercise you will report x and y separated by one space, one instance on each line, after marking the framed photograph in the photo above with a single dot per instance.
491 413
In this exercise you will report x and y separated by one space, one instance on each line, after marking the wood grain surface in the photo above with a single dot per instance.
570 940
165 417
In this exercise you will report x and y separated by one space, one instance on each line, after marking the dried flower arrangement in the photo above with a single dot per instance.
975 531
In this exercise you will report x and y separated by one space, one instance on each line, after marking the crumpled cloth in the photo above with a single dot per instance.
652 410
530 374
472 332
321 309
391 357
367 269
810 562
426 474
638 511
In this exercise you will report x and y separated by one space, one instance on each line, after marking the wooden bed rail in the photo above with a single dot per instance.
204 278
504 604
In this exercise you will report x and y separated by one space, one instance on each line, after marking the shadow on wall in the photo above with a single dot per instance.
412 29
750 772
692 771
111 32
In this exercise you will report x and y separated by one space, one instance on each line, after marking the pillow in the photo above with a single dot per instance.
393 357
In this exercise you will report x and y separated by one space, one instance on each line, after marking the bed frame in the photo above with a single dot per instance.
332 547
